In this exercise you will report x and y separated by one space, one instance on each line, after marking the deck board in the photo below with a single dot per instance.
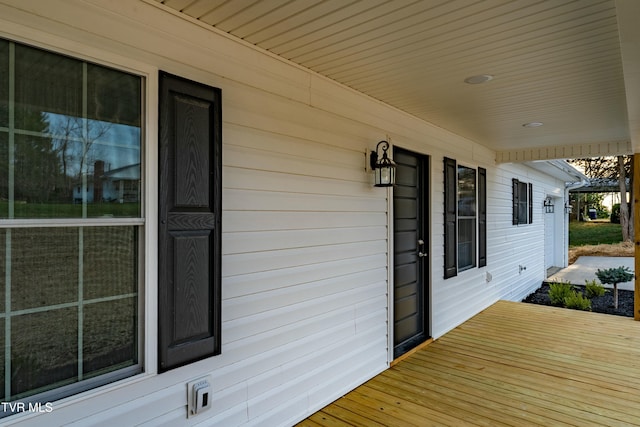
514 364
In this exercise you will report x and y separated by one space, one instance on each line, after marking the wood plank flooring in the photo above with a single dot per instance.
514 364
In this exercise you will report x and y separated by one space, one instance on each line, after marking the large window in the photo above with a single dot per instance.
70 223
464 218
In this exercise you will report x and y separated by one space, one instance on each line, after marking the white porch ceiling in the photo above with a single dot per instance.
559 62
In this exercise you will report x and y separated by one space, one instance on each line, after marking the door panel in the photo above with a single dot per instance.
411 308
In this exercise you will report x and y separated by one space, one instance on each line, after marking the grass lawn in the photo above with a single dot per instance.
70 210
594 233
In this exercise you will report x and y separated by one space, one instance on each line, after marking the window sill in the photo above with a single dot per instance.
83 397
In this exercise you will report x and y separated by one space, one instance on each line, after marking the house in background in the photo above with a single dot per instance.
265 275
121 185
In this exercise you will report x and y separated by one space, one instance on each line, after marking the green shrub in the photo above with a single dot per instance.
615 214
559 291
577 301
593 289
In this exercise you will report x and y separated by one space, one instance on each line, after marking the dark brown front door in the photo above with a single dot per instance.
410 291
189 230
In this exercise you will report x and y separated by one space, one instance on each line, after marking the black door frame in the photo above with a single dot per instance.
424 164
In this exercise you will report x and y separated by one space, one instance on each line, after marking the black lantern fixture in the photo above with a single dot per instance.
548 205
383 167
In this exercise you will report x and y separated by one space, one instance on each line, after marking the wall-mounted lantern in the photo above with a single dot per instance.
548 205
567 207
383 167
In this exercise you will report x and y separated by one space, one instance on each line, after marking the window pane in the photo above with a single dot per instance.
102 171
44 351
466 243
74 304
44 266
466 191
113 97
110 261
2 354
3 274
68 295
46 83
523 202
77 138
4 174
4 83
110 336
38 181
466 218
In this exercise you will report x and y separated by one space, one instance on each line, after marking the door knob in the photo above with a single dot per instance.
422 254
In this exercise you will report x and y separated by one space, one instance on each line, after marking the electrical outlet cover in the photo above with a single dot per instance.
199 396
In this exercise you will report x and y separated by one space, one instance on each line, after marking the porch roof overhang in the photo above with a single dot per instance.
573 66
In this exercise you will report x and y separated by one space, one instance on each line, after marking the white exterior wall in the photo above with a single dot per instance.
305 234
456 299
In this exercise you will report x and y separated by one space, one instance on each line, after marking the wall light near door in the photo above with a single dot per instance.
383 167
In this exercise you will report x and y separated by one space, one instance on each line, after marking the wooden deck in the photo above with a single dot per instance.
514 364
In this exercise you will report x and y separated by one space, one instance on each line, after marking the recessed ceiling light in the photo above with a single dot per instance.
532 124
480 78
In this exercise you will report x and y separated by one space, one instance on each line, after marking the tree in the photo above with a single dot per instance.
589 200
626 218
613 276
618 168
37 176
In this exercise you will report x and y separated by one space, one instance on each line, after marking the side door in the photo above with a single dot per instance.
411 266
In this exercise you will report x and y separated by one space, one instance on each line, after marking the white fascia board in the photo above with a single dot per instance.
559 169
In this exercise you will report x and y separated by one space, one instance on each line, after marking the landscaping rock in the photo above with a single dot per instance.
603 304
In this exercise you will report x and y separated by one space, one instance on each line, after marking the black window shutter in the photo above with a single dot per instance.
450 212
482 217
516 201
530 203
189 237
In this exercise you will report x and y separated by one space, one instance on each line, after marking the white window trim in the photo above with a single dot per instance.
148 297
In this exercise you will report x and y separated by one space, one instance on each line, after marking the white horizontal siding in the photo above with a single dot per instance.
267 261
258 241
240 220
508 247
301 282
278 200
303 293
264 281
305 250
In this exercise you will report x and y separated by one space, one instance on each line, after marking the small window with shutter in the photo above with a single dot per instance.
522 197
465 218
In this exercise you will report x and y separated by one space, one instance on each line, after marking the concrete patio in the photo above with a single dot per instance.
585 269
